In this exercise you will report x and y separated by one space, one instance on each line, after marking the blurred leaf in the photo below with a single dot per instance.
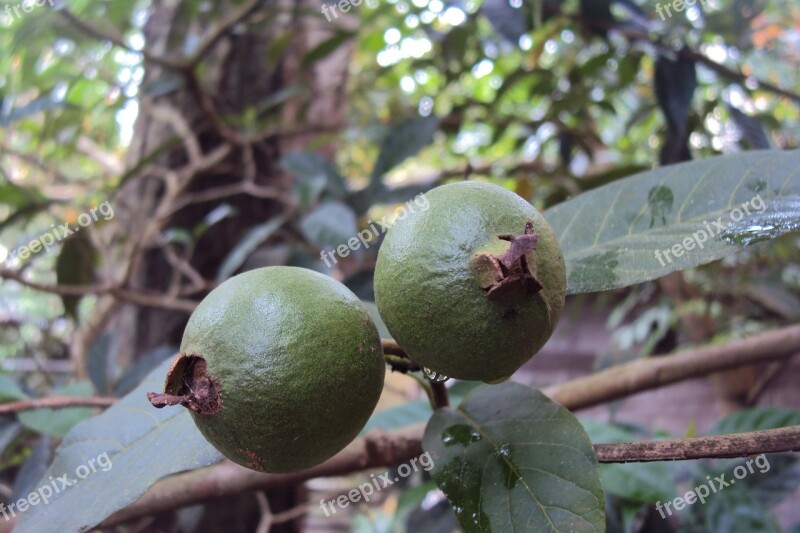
675 83
327 47
36 106
756 419
611 235
75 266
10 429
215 216
14 195
509 456
313 175
98 362
143 444
10 390
142 367
331 224
774 297
402 142
32 469
643 483
509 21
251 241
753 133
414 411
57 422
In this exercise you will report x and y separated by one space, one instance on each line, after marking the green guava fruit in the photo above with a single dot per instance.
280 368
473 286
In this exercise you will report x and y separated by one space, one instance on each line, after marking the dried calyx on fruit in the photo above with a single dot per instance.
259 383
474 286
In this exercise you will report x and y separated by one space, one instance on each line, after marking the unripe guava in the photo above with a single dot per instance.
473 286
280 368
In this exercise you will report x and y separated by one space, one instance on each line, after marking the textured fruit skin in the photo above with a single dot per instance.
299 364
430 298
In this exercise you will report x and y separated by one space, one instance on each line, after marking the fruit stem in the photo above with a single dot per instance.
512 271
440 397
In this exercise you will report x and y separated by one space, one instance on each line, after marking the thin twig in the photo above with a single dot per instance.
143 298
55 402
714 447
115 38
643 374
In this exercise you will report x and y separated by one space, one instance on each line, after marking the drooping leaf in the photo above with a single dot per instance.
751 129
675 82
650 224
254 238
331 224
99 362
143 445
510 458
327 47
402 142
75 266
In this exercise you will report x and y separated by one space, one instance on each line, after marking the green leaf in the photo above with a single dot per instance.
757 419
510 458
75 266
329 225
41 104
327 47
641 483
403 142
254 238
143 445
313 175
413 411
58 422
10 390
632 230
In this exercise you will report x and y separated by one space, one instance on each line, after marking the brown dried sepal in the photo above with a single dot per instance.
188 384
509 272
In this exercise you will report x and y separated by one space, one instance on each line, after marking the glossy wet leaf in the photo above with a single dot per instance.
650 224
143 445
510 459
